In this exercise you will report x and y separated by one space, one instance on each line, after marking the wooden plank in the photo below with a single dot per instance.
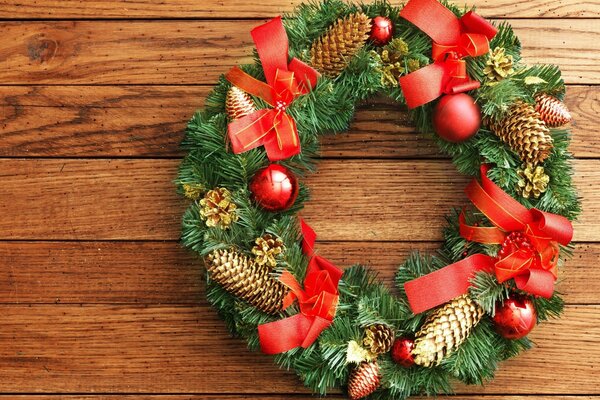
148 121
165 273
57 9
108 199
289 396
72 349
193 52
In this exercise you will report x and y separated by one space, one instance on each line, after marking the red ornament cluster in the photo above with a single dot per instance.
274 188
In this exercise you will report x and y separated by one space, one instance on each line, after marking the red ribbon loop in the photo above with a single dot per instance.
533 261
317 301
272 128
453 39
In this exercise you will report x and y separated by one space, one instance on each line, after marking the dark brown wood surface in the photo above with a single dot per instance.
97 298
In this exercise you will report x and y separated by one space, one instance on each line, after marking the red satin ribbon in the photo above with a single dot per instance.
317 300
534 269
453 39
272 128
445 284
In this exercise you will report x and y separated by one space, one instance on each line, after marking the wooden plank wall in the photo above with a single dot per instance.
97 298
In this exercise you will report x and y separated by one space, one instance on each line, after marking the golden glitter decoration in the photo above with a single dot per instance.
267 248
498 66
533 181
217 209
357 354
193 191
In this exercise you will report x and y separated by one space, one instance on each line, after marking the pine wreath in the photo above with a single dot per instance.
453 315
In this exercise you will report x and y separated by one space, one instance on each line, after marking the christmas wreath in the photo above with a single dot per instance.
454 315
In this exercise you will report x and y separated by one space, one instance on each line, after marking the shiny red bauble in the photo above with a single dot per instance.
402 352
274 188
456 117
382 31
516 317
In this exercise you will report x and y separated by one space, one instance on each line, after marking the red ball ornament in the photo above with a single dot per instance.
274 188
456 117
516 317
402 352
382 31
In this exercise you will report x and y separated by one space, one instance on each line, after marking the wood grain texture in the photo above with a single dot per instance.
148 121
114 9
197 52
74 349
165 273
135 199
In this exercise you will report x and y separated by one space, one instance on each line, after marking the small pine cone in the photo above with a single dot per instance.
552 111
332 52
238 103
217 209
243 278
363 380
379 338
524 132
532 180
266 249
498 65
445 329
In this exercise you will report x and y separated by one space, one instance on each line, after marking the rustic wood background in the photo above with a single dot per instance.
97 297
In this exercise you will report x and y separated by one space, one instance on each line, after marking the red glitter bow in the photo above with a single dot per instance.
272 128
453 39
317 300
530 240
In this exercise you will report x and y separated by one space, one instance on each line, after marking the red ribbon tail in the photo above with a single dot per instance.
283 335
283 142
250 131
309 237
430 16
423 85
445 284
473 22
272 46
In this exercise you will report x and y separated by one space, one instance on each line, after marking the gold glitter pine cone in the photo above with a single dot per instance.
363 380
266 249
379 338
533 181
445 329
217 208
242 277
523 130
552 111
498 65
238 103
331 53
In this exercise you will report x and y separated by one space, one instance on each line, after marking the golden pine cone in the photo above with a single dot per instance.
379 338
238 103
523 130
532 180
332 52
217 209
363 380
245 279
552 111
266 249
445 329
498 66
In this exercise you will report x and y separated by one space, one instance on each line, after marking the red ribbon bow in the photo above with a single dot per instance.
453 39
318 302
272 128
532 266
